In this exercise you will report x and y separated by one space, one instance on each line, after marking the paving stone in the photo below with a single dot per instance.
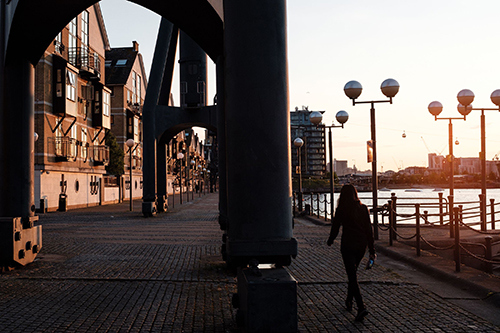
105 269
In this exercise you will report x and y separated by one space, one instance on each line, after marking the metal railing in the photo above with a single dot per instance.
430 212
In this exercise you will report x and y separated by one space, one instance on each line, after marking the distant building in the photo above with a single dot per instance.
462 165
436 162
126 78
340 168
313 155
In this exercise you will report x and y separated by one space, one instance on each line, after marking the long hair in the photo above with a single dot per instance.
348 200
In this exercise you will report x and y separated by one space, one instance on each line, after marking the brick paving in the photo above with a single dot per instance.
105 269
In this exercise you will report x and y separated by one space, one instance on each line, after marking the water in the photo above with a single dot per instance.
468 198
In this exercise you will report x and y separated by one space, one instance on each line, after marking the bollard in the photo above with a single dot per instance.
326 206
456 219
394 209
450 211
417 221
441 216
492 205
394 218
426 217
488 255
312 204
482 209
390 222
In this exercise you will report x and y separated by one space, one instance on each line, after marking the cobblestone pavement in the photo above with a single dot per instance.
105 269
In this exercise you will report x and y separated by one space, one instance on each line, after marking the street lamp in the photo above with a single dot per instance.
191 177
298 142
435 108
316 118
390 88
180 157
130 143
465 98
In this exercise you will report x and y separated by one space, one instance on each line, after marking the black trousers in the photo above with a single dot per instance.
352 258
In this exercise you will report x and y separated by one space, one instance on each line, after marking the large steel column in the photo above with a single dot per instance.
20 240
161 176
221 144
153 92
17 142
259 194
192 73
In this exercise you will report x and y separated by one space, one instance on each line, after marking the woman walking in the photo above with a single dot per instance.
357 235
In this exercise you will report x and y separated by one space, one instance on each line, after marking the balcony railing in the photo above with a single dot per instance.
85 59
64 148
100 155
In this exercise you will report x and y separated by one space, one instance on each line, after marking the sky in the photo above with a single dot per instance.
433 49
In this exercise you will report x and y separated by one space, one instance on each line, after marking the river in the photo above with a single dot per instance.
468 198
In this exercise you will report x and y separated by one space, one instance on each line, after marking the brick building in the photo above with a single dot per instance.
126 78
72 113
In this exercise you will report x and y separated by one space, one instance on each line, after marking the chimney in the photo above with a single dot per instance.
135 46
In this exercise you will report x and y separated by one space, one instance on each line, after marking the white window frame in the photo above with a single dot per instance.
71 85
106 103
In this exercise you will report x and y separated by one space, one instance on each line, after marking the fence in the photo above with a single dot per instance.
441 211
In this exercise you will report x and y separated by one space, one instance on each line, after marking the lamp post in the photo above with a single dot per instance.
435 109
191 177
465 98
180 157
316 118
298 142
130 144
390 88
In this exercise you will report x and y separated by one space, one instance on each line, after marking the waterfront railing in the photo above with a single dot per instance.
431 212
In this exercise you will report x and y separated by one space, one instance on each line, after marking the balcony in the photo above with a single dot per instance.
100 155
86 61
64 148
136 162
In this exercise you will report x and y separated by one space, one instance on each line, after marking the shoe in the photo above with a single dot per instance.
361 315
348 305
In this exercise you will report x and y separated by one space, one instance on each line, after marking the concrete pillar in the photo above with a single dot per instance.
259 197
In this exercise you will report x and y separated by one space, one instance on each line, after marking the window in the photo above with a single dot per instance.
136 88
105 103
72 33
138 82
85 38
58 43
136 129
72 41
97 62
134 84
121 62
84 143
107 63
71 85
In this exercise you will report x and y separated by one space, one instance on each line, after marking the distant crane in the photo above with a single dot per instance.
397 165
428 150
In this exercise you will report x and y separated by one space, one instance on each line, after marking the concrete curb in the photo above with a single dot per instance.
475 281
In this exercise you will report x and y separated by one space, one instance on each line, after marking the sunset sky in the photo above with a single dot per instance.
432 48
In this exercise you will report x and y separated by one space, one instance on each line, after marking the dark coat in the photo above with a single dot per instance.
357 233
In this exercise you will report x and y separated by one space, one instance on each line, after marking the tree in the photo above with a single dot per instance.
116 154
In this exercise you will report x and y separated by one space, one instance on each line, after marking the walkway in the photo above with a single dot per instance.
105 269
